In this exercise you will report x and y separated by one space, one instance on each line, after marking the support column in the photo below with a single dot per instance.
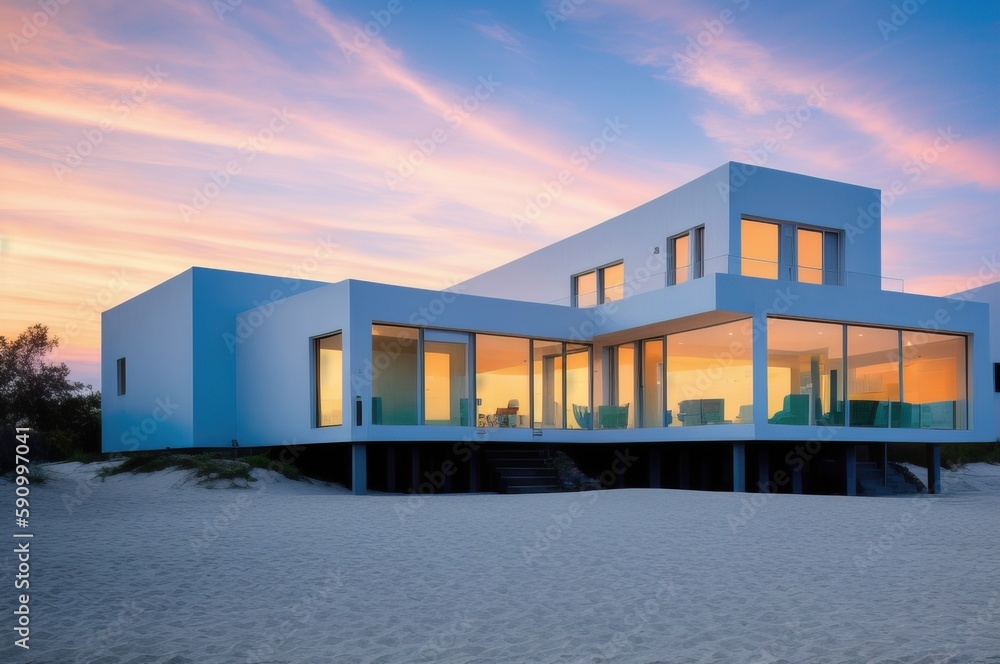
797 477
359 469
763 470
415 468
390 469
684 468
934 467
474 471
850 470
655 467
740 467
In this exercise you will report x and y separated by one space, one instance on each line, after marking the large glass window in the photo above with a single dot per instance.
681 254
502 381
613 282
710 375
329 380
561 385
810 256
622 390
805 372
548 384
873 377
585 288
935 383
446 378
599 286
759 249
686 256
652 383
394 375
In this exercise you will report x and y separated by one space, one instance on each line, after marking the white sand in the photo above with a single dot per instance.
152 569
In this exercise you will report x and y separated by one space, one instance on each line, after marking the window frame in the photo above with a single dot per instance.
695 255
831 250
121 375
600 291
318 411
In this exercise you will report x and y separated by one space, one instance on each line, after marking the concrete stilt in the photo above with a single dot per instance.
850 470
934 467
474 471
359 469
739 467
390 469
763 470
415 468
655 467
684 469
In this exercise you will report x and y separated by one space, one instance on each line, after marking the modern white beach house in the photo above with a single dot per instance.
733 334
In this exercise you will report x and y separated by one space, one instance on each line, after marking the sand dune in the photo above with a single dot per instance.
147 569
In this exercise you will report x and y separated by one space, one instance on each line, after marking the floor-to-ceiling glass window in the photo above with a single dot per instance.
577 386
805 372
446 378
873 377
651 383
329 380
502 381
622 391
395 379
547 360
710 374
935 383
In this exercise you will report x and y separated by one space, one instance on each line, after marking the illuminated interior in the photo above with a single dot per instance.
759 249
502 381
329 381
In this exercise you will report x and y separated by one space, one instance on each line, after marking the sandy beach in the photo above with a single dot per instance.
156 569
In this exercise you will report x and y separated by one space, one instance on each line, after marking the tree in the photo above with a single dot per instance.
37 393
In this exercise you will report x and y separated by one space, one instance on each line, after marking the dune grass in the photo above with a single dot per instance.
206 467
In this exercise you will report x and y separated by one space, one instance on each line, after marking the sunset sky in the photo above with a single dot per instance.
138 139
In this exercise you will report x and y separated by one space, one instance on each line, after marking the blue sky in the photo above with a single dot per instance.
139 140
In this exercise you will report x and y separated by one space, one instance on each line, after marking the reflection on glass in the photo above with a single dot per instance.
394 375
935 382
810 256
446 384
624 386
329 381
652 383
710 374
578 387
614 282
682 253
873 377
759 249
805 368
548 384
502 381
586 290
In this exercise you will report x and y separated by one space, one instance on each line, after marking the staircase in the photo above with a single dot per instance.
870 477
523 471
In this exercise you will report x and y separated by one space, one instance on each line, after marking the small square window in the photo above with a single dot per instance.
120 370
